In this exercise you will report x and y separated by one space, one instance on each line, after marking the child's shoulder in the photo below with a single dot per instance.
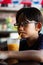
40 35
40 39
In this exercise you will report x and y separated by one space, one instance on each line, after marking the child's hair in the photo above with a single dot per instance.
30 13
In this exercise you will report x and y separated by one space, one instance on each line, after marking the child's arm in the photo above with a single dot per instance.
34 55
29 55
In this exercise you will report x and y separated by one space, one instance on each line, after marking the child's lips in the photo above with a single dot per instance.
22 33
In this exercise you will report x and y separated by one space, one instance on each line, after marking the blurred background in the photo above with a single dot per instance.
8 10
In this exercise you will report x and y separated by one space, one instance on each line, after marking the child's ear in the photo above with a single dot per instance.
38 26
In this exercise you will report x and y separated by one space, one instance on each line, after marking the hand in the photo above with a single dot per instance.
3 55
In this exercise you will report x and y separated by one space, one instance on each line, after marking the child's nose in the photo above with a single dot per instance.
21 28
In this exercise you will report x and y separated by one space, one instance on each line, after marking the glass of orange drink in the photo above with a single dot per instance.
13 45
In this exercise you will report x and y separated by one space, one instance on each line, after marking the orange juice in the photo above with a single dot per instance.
13 47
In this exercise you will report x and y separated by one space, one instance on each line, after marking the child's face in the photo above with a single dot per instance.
28 30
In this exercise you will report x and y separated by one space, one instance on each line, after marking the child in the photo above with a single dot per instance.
29 21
